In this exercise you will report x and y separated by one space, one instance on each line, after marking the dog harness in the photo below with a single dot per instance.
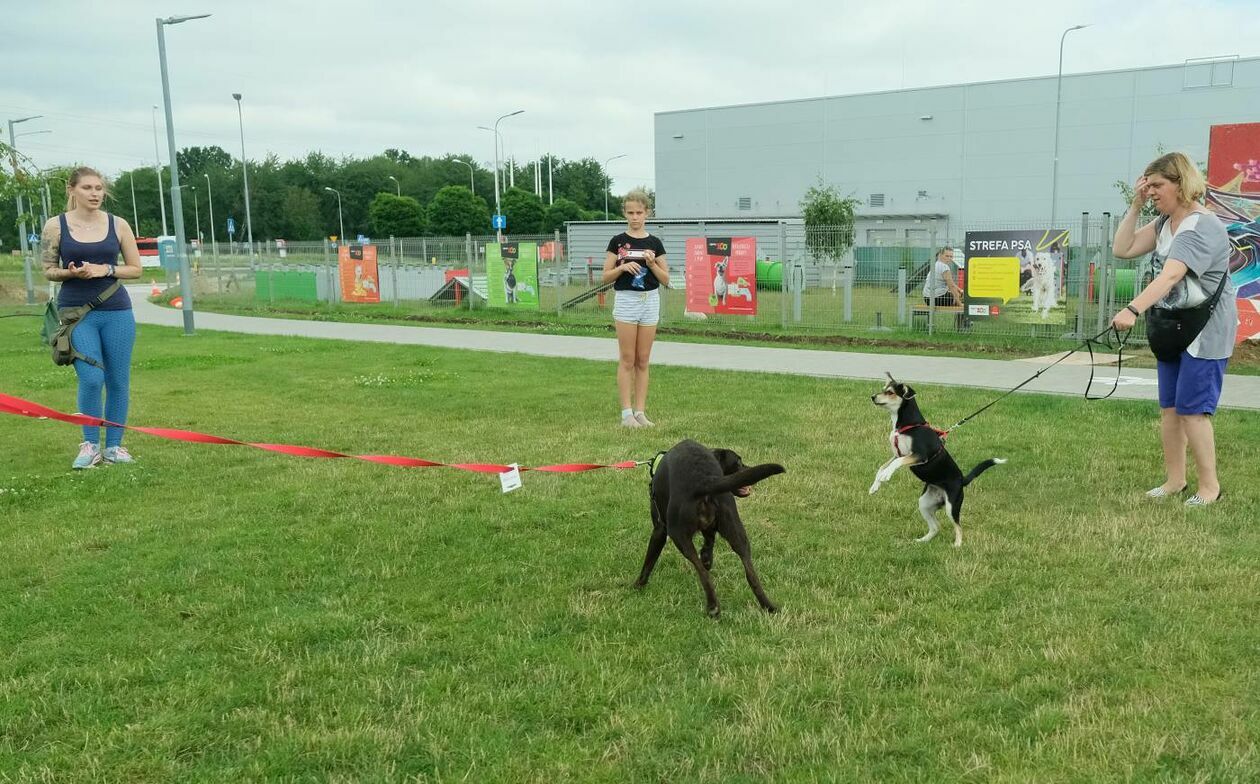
907 428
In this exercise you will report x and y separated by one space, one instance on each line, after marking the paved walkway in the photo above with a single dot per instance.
1066 379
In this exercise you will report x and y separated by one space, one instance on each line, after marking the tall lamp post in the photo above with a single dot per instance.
608 182
157 168
472 186
249 221
181 249
1058 99
497 209
398 188
196 211
26 249
214 244
340 222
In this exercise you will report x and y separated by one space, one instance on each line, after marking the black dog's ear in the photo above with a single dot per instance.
891 380
728 460
906 391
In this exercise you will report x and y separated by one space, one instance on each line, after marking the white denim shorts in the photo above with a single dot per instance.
637 307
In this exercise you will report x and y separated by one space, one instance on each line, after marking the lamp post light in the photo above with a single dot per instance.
26 250
249 221
497 208
340 222
608 182
472 185
157 168
214 243
181 250
1058 99
397 187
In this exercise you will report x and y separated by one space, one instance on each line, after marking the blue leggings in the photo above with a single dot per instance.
108 337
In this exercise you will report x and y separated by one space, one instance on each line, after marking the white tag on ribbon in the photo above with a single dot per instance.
511 480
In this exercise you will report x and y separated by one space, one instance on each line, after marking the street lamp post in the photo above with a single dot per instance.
196 211
26 249
157 168
181 250
608 182
497 209
341 223
397 186
472 186
135 211
249 221
1058 98
214 244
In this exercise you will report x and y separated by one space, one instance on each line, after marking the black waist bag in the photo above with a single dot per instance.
1171 331
59 339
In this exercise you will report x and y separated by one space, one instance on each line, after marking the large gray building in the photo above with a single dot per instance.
963 155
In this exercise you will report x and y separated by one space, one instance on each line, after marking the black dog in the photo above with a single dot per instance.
694 489
920 446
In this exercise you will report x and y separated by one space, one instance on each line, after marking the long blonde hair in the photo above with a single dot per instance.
1176 167
77 175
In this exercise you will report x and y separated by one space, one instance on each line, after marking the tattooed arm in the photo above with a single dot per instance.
50 252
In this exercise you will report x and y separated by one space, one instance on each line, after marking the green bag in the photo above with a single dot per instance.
59 324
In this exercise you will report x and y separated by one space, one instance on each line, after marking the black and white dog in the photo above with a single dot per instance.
509 280
921 447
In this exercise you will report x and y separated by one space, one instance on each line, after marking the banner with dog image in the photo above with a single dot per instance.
512 275
721 275
360 281
1016 276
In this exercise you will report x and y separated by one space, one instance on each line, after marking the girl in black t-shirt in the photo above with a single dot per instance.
635 265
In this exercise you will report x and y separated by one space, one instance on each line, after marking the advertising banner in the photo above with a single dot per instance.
360 281
1016 276
512 275
721 275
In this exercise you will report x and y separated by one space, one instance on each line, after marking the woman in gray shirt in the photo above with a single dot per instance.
1190 257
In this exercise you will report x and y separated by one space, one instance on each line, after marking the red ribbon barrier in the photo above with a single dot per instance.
16 405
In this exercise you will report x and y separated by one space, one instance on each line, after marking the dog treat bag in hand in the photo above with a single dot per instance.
640 258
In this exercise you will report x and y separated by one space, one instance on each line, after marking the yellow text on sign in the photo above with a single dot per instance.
996 278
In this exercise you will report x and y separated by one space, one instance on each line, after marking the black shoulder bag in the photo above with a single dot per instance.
1171 331
66 319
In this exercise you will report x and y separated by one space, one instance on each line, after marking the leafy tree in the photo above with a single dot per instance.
559 212
524 211
396 216
194 161
454 210
301 214
581 181
829 219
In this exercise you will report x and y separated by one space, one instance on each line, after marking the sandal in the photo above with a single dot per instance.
1157 493
1197 500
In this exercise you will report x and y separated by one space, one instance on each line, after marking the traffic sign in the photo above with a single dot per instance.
498 221
231 226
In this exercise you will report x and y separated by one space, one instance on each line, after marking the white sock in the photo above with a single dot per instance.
626 413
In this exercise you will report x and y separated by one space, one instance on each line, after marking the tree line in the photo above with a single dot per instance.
392 193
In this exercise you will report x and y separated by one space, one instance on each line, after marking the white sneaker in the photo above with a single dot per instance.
89 456
643 421
118 454
630 421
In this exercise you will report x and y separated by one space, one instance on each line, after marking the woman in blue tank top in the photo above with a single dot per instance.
80 250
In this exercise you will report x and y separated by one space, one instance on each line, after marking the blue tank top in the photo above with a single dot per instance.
77 291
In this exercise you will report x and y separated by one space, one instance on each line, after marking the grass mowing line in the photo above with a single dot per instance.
210 615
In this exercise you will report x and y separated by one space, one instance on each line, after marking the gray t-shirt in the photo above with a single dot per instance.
1202 244
935 285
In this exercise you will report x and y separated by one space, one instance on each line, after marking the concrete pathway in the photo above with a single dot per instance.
1067 379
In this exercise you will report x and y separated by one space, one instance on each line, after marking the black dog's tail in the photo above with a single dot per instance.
744 478
984 465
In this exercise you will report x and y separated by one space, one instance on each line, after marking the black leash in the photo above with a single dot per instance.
1102 338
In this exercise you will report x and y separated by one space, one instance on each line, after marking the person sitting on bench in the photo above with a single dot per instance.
940 288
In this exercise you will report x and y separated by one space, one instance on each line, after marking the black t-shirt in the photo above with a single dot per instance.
622 245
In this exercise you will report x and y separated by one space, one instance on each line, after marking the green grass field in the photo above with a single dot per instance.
217 614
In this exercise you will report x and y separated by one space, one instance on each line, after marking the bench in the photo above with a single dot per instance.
920 310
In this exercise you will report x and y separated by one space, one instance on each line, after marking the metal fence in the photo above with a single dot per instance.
869 290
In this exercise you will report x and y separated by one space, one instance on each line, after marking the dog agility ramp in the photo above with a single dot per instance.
449 293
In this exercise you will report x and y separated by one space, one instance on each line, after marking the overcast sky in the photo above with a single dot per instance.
355 78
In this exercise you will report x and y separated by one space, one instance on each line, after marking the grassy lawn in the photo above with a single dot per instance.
218 614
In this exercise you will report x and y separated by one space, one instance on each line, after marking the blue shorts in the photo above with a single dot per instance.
1191 385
